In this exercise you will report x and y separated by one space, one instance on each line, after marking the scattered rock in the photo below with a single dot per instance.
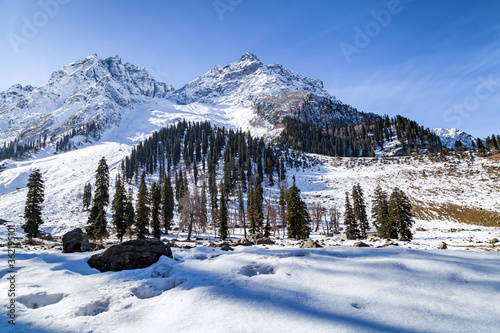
253 238
132 254
244 242
420 229
264 241
494 240
360 244
225 247
310 244
45 236
452 230
76 241
442 246
389 243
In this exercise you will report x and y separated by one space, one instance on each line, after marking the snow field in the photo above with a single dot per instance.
252 289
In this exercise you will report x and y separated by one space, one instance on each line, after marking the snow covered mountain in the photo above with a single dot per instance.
89 90
449 136
245 82
245 94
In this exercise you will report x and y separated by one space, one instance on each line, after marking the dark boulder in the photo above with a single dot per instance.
264 241
76 241
133 254
225 247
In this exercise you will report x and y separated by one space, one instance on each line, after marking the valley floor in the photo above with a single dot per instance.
260 289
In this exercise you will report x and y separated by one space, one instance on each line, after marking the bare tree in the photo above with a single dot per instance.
333 220
317 212
187 213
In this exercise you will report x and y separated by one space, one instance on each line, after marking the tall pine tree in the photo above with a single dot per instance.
223 216
142 209
350 223
119 209
33 206
380 215
400 214
359 209
298 219
167 203
155 197
97 219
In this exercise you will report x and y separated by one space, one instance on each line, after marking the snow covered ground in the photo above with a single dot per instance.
257 289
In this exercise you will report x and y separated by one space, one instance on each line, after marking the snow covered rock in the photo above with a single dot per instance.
442 246
360 244
310 244
244 242
133 254
76 241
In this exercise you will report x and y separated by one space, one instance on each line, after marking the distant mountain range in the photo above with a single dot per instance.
246 94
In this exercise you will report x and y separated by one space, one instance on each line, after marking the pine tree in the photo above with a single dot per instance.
167 203
223 216
298 219
119 209
33 206
350 223
97 219
359 209
282 205
380 215
87 196
400 214
155 197
142 209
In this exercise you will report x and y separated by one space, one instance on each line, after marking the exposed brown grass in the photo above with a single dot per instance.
457 213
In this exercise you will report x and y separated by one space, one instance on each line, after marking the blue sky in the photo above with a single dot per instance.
433 61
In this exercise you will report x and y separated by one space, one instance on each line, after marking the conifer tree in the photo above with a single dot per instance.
97 219
155 197
142 209
87 196
298 219
350 223
359 209
400 214
282 204
167 203
380 215
119 209
33 206
223 216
